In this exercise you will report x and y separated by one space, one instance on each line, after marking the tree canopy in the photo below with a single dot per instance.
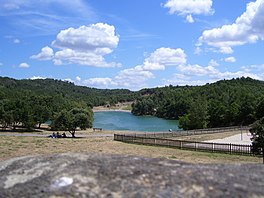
29 103
71 120
257 132
224 103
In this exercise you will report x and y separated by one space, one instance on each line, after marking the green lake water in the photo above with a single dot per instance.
117 120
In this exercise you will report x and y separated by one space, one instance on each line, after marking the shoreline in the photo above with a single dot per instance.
106 110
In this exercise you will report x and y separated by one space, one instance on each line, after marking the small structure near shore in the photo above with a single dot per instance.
97 129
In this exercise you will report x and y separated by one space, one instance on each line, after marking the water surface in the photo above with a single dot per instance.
116 120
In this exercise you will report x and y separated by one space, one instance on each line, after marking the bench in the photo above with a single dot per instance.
97 129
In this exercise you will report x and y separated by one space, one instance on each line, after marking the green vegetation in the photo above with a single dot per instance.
70 120
257 132
224 103
29 103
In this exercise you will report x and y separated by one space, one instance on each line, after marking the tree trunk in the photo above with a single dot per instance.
39 125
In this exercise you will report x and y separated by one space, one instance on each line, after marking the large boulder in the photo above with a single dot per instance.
94 175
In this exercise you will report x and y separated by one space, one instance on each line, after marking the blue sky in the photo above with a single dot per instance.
132 44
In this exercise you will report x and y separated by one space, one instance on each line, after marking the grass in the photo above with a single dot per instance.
11 146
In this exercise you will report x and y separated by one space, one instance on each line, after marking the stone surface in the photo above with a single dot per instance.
94 175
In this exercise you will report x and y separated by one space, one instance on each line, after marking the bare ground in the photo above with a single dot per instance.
11 146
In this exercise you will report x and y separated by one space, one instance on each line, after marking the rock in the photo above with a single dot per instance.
95 175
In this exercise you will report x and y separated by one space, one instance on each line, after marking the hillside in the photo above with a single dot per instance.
224 103
49 87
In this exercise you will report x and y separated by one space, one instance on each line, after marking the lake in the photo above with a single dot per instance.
117 120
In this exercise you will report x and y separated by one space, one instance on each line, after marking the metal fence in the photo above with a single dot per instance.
178 133
197 146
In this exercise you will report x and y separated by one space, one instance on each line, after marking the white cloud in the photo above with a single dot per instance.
230 59
37 77
213 74
24 65
248 28
86 45
99 82
100 37
81 58
78 78
197 70
189 7
226 50
133 77
213 63
189 18
16 41
163 57
45 54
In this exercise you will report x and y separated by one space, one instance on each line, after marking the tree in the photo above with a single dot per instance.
197 117
257 132
71 120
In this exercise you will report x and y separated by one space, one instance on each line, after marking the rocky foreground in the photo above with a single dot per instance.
93 175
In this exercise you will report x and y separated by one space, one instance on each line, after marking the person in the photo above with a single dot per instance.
52 135
64 135
58 135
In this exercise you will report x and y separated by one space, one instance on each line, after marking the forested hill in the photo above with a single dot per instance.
12 88
224 103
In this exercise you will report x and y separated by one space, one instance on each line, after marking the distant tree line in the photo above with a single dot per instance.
224 103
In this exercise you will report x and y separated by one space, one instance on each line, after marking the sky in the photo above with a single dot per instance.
132 44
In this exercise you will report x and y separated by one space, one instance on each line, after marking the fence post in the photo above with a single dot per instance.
230 148
180 144
263 153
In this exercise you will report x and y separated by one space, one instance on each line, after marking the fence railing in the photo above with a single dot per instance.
182 144
178 133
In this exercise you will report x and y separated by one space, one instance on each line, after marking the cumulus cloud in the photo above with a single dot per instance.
189 7
24 65
45 54
163 57
99 82
158 60
230 59
133 77
212 73
86 45
248 28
